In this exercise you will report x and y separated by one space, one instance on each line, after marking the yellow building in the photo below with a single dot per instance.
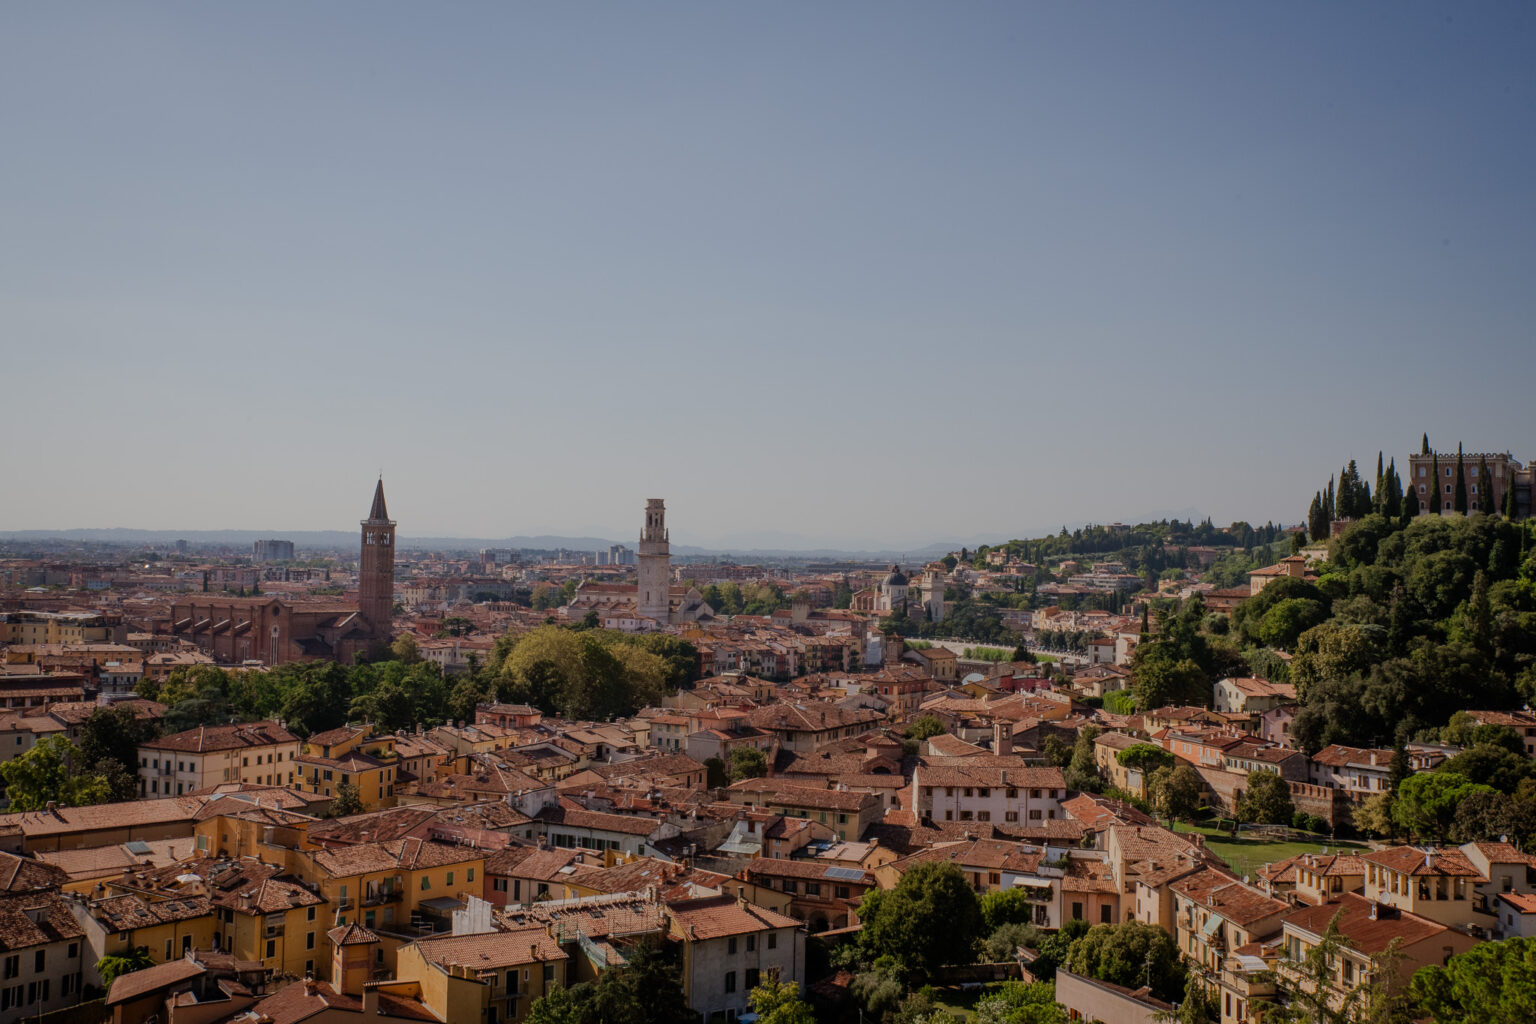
351 756
252 831
492 977
260 915
401 889
30 627
167 928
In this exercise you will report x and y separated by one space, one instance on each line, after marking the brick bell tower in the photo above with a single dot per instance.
376 568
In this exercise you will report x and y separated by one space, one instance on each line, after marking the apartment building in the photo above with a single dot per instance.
254 753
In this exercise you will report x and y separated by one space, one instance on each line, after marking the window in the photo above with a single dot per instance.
753 976
309 941
1010 815
1104 914
983 815
469 874
1077 911
311 915
38 960
751 943
773 940
271 947
730 981
813 888
730 945
450 878
426 883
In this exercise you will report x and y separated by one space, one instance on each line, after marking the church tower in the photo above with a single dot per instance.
655 564
376 568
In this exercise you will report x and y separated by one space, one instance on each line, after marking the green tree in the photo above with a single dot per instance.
113 967
1056 751
109 745
52 771
347 801
1459 495
1176 792
1426 803
1267 800
716 775
1145 757
748 763
1130 954
923 727
406 649
1434 486
1005 906
1492 981
1014 1002
1511 507
930 918
1484 487
779 1002
646 990
1083 770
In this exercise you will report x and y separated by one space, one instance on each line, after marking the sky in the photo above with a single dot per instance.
854 273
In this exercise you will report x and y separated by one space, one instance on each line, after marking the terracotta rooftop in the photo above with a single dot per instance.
715 917
1367 933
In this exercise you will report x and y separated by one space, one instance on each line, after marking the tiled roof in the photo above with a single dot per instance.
1367 932
53 921
207 738
715 917
493 950
1411 860
630 824
1224 895
138 983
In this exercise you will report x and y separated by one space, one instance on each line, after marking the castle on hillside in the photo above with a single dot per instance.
275 630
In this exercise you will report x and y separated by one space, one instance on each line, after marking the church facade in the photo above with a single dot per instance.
274 631
653 601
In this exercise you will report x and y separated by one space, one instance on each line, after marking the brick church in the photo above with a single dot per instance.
275 630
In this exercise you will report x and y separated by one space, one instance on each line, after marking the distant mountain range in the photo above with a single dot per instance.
766 544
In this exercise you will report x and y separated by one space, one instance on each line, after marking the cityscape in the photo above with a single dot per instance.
767 514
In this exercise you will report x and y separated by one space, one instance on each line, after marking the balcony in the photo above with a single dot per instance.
379 897
345 903
273 931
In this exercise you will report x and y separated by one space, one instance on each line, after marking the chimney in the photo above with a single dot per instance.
309 984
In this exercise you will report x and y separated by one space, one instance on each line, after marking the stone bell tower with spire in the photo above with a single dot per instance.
376 568
652 595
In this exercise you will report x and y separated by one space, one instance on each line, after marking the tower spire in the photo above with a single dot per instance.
378 513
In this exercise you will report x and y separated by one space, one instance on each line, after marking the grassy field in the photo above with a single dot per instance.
1247 855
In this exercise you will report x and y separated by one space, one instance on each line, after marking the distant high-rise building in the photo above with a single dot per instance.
618 554
376 568
272 551
655 572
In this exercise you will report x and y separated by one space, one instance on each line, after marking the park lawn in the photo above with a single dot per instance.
1246 856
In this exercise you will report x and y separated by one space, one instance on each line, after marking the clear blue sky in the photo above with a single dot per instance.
876 273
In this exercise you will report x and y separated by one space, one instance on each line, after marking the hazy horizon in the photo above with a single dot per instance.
898 272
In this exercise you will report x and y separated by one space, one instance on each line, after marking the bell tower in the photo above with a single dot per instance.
376 568
652 595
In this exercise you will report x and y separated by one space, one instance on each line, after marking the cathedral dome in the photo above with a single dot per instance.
895 579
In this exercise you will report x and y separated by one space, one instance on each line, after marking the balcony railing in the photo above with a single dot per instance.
381 896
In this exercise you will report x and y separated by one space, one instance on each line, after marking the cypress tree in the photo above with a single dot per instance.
1484 487
1328 505
1509 501
1392 501
1410 504
1381 486
1459 496
1425 450
1434 488
1317 526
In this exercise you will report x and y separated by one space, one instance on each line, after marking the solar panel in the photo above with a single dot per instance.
138 847
846 874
